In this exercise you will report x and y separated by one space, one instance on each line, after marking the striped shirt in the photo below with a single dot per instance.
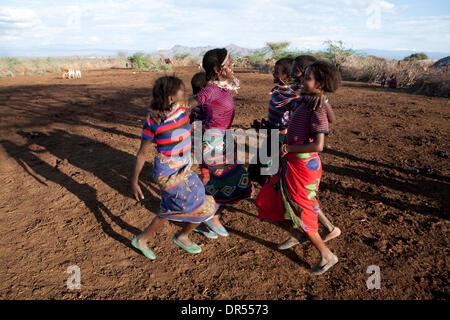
173 135
281 106
218 105
306 123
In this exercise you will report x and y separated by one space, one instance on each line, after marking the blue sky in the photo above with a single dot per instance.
39 26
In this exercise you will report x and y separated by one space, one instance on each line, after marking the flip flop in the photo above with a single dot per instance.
148 253
287 244
319 270
220 231
209 234
193 248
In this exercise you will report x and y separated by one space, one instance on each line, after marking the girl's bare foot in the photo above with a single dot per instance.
333 234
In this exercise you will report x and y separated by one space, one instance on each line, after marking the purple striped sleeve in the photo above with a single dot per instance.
319 120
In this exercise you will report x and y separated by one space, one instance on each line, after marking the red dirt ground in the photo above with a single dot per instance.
67 149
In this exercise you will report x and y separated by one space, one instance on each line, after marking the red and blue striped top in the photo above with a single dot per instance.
306 123
172 135
281 106
218 106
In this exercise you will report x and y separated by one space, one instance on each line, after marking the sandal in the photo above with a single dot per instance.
148 253
220 231
209 234
193 248
287 244
317 270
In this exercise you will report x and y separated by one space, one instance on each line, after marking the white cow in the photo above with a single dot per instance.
77 74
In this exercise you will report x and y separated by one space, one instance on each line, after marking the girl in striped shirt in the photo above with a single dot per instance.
229 182
290 196
183 195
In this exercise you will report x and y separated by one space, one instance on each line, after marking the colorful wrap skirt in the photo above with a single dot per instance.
254 169
291 193
183 196
228 183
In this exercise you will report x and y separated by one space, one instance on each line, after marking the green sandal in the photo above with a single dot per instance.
193 248
148 253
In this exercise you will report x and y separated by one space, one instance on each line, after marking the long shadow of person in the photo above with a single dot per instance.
291 254
84 192
108 164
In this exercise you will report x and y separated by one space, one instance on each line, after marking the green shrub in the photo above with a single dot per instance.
182 56
159 66
416 56
257 57
139 60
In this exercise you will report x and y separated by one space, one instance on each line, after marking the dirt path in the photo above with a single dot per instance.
67 148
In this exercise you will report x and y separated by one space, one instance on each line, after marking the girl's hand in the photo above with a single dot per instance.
283 151
155 116
136 191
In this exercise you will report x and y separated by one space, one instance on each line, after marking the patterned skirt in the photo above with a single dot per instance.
291 194
183 196
228 183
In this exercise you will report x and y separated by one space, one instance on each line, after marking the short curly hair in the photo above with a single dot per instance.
198 82
304 61
163 88
285 64
326 74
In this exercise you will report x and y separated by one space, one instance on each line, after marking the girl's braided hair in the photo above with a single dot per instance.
213 59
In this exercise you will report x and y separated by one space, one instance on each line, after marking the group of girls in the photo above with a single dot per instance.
297 108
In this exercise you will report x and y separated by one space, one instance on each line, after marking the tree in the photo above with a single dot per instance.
277 47
336 51
416 56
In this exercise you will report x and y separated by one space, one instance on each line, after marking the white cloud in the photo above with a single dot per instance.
148 25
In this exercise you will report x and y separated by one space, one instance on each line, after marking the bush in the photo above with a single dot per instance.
434 82
182 56
258 57
139 60
416 56
158 65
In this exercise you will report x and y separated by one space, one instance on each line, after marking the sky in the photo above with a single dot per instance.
44 27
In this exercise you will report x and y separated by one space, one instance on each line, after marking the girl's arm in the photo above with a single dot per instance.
193 101
140 161
315 146
330 114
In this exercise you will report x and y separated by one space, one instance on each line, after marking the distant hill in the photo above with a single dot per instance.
401 54
64 51
199 51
